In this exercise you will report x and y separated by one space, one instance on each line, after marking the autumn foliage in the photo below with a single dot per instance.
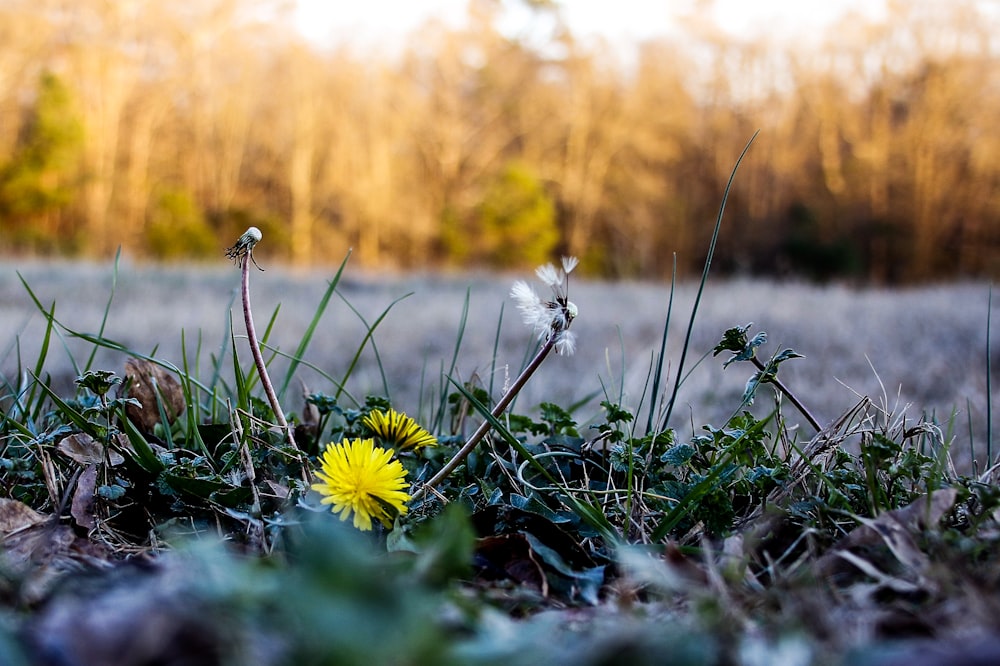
167 128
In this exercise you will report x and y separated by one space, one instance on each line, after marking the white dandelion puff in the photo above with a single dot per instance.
549 275
549 319
533 311
566 343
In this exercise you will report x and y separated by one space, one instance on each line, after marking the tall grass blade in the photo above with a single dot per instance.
223 347
107 308
242 389
704 279
369 336
307 337
40 363
989 382
496 350
661 359
448 374
192 395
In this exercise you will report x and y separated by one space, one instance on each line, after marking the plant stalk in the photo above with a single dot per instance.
484 427
788 394
258 359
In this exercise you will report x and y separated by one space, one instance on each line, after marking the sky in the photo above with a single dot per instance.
620 22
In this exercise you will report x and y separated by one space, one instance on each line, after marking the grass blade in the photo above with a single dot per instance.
368 336
307 337
989 383
443 403
704 279
661 358
107 308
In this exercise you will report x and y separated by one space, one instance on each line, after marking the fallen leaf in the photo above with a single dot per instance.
37 544
151 385
892 529
86 450
16 515
82 508
509 556
278 490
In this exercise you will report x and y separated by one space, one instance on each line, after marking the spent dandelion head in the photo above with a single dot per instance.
358 477
550 319
244 246
399 430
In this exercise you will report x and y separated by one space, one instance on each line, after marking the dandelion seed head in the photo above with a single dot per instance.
549 319
533 311
549 275
244 244
565 343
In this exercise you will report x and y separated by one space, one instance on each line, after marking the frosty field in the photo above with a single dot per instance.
922 350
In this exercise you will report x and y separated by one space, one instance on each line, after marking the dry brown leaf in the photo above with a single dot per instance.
148 383
41 553
927 511
310 412
37 544
82 508
900 541
16 515
893 529
86 450
278 490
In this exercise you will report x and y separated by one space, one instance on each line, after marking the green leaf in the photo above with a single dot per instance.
678 455
111 492
785 355
141 452
200 487
734 340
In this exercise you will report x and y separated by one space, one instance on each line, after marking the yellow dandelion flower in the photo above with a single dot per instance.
357 476
398 429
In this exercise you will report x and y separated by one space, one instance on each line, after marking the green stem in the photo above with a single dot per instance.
484 427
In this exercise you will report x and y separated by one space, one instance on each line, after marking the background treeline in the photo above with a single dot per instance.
169 127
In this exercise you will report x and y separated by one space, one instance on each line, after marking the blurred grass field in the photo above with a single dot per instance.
921 348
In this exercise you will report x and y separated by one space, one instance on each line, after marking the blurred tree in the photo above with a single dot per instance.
178 230
871 126
513 227
41 177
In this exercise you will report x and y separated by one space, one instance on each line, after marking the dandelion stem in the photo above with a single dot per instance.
258 359
484 427
788 394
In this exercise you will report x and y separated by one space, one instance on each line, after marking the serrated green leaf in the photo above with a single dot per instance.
678 455
734 340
